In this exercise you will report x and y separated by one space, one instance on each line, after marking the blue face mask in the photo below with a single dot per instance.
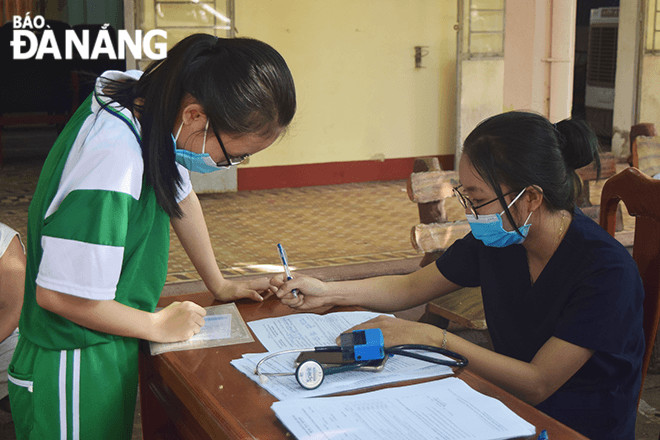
198 162
490 229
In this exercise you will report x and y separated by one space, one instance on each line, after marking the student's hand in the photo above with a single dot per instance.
178 322
398 331
312 293
233 290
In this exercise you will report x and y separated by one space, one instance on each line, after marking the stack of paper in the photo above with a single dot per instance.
308 330
397 368
443 409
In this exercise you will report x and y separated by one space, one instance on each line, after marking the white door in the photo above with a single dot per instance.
479 64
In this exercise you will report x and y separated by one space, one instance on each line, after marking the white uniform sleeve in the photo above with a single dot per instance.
7 234
186 185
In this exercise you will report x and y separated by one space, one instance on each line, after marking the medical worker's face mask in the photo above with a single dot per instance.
198 162
490 229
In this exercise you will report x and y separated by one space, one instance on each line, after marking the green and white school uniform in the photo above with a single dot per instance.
95 231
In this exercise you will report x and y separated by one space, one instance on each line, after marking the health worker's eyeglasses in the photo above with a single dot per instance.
230 160
467 203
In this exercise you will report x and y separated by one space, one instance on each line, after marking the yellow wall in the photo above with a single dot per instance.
649 110
649 106
359 94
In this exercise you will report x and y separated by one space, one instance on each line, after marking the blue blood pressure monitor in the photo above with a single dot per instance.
362 345
357 349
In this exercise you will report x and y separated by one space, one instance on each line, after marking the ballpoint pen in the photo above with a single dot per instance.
285 263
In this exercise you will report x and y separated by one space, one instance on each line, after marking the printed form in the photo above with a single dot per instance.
446 409
306 330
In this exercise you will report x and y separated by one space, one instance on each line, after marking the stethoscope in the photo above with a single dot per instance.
310 373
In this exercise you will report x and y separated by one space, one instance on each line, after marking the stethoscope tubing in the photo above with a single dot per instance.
459 361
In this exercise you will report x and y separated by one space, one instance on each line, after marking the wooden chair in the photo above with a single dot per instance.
590 174
641 129
641 195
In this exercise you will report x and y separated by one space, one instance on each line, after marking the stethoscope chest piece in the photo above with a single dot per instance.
309 374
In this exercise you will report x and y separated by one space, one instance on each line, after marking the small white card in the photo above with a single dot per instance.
215 327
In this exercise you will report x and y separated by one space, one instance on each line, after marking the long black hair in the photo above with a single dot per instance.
243 85
521 149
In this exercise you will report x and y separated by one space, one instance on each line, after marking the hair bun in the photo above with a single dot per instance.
577 142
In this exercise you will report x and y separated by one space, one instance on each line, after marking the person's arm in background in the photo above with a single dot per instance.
194 236
12 285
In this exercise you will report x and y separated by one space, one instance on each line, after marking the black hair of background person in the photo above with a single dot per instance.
243 85
521 149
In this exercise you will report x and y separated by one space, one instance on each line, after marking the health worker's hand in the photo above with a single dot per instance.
178 322
232 290
312 293
398 331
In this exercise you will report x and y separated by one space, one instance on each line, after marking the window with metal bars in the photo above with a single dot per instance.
601 61
653 34
180 18
485 30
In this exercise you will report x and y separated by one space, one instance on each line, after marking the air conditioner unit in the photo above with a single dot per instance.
601 70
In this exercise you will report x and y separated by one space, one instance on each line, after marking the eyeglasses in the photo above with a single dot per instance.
230 160
467 203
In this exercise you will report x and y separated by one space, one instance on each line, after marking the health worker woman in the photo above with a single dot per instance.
99 227
562 298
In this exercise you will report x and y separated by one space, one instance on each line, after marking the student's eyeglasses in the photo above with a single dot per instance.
230 160
467 203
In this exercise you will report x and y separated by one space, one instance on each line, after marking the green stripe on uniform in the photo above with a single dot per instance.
91 216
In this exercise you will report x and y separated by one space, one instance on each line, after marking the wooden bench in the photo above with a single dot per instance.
646 154
429 187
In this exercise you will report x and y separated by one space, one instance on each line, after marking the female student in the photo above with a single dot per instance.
99 226
563 299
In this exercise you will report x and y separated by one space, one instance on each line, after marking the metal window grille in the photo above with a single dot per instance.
653 46
601 61
485 28
196 16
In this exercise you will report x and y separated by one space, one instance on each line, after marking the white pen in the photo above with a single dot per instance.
285 263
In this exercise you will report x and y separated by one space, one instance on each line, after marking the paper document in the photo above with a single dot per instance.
443 409
396 369
223 325
306 330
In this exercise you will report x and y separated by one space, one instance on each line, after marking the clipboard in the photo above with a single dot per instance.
238 334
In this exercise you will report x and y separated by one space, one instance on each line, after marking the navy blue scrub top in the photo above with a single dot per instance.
589 294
